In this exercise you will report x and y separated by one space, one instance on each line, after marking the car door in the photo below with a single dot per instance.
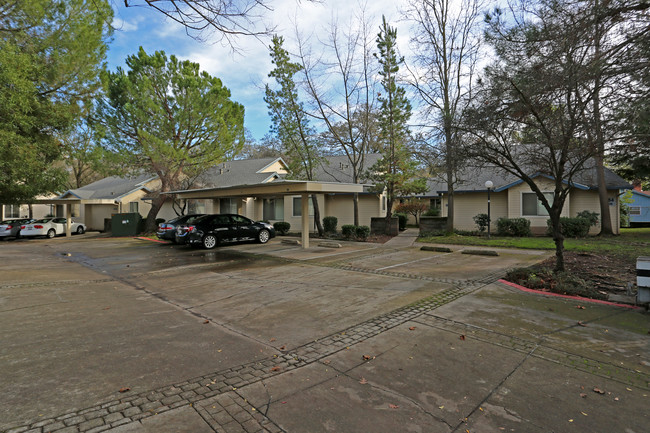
220 225
243 227
58 224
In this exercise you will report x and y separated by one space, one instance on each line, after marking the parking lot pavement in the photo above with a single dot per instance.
264 338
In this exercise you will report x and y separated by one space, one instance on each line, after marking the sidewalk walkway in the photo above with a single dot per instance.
404 239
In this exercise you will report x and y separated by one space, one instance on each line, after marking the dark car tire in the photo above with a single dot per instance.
80 230
51 233
210 241
263 236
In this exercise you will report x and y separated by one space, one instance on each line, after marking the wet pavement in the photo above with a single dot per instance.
129 335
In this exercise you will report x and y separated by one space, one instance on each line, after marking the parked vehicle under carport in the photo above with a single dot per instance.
212 230
167 230
50 227
11 228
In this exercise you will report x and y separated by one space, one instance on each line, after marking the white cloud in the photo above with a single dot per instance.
124 26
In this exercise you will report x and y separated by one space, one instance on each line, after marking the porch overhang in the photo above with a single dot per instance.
273 189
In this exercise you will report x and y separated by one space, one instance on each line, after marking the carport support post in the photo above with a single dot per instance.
305 220
68 216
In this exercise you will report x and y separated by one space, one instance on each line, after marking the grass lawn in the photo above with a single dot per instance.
630 243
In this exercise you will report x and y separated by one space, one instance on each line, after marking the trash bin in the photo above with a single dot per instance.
126 224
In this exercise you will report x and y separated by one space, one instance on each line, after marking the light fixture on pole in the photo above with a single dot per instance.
489 185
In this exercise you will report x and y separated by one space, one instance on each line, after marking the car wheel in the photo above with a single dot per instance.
263 236
51 233
209 241
80 230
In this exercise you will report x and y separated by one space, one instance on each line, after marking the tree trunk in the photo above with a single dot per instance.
319 226
355 200
558 238
605 217
156 204
450 209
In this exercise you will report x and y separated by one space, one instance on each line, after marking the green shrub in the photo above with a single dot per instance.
482 220
591 216
571 227
329 224
362 233
402 219
348 231
282 227
513 227
433 212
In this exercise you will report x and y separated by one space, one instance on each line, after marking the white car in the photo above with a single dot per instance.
50 227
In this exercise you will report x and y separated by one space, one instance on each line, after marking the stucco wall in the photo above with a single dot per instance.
588 200
509 204
468 205
296 222
342 207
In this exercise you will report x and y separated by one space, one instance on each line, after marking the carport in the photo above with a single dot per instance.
278 188
67 209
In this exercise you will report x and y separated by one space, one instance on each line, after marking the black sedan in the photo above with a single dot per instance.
212 230
167 230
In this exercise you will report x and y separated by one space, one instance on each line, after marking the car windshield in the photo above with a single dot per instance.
44 220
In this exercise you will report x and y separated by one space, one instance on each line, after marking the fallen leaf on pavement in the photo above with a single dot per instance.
599 391
272 339
207 321
283 347
125 389
368 357
363 381
580 307
580 323
584 413
462 337
276 368
583 395
393 406
412 328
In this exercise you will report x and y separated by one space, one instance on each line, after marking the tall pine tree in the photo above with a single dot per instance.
395 172
289 120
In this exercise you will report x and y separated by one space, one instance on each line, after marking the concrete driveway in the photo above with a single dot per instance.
128 335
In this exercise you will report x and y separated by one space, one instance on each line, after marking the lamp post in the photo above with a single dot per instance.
489 185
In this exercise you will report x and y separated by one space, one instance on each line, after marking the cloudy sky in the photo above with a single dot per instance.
244 73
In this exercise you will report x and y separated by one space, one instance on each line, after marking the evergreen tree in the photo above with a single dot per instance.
290 122
168 117
396 171
50 59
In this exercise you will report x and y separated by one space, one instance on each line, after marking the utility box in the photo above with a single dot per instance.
126 224
643 280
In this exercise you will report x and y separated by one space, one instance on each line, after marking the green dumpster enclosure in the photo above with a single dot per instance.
126 224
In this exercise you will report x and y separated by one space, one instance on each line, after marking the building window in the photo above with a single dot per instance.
434 203
133 207
532 206
383 202
227 205
635 210
12 211
196 206
297 207
273 209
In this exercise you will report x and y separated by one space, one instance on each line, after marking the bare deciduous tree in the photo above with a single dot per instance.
341 86
446 45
